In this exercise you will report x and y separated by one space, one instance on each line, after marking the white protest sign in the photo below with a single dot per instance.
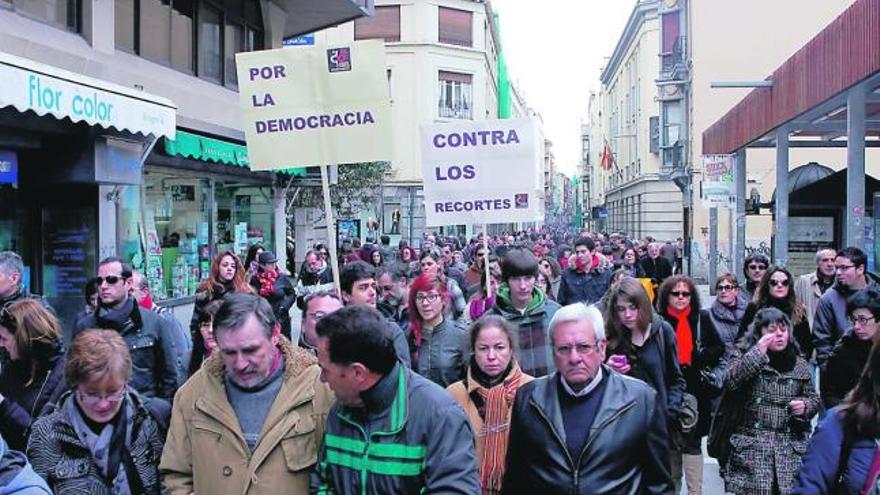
480 172
315 105
717 180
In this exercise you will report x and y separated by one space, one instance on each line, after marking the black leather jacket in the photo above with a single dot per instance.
626 452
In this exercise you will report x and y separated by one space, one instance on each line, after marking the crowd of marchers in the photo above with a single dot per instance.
537 362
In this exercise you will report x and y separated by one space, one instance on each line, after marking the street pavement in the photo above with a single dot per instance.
712 484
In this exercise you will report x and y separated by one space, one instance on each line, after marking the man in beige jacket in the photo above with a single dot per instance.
251 420
810 287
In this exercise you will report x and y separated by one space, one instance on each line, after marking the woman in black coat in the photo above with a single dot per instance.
32 375
699 349
776 290
847 360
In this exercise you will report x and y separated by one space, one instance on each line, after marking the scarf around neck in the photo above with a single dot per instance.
267 282
495 405
683 334
105 446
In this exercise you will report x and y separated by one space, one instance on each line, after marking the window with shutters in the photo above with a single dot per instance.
455 27
383 25
456 95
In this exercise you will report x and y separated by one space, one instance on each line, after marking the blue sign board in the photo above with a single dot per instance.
8 167
302 40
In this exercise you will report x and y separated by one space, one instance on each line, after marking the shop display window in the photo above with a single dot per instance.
176 215
244 216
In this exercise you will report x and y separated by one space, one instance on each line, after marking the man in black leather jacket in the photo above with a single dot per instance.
586 429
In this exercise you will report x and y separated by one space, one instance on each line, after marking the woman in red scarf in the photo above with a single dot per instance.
487 393
679 304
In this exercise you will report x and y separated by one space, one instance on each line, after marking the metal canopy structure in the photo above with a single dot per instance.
827 95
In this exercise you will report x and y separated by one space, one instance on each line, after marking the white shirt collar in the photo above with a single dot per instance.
586 390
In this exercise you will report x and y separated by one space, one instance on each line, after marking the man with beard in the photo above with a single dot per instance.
150 338
392 285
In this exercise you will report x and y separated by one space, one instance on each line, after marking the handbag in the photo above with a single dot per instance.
711 377
688 415
728 416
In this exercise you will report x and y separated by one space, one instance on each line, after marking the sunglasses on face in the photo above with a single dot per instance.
677 293
725 288
757 267
110 279
777 283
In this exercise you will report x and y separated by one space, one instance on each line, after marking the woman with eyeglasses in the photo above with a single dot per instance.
635 346
844 452
31 367
698 349
776 290
772 390
438 343
431 263
850 353
727 310
487 393
103 438
227 276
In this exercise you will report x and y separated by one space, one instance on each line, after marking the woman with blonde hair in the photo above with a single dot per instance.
31 367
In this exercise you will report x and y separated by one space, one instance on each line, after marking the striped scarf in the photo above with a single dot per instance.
497 407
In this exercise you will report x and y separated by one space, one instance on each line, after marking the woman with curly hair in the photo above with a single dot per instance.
227 276
776 290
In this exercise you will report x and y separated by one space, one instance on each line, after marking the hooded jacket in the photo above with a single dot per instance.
626 452
17 477
829 322
535 356
206 452
410 438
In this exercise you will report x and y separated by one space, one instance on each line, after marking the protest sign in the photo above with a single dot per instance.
480 172
315 105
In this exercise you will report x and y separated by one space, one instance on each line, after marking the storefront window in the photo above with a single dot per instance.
244 216
177 217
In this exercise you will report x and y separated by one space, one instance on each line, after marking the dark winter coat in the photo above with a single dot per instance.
535 355
706 355
768 443
22 404
845 365
800 332
61 458
150 341
422 435
658 367
626 452
586 287
821 466
657 269
725 320
281 299
829 322
443 355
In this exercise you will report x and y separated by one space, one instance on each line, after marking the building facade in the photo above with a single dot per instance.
122 120
624 142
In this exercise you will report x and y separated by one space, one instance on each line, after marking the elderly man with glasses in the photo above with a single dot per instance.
810 286
586 428
830 321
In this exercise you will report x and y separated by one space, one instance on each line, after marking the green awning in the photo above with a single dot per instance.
207 149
